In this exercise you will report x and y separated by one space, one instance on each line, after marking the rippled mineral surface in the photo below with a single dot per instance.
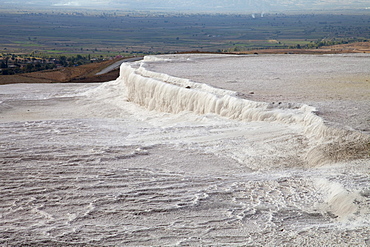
117 164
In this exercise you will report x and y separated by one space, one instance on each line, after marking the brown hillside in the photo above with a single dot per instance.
83 73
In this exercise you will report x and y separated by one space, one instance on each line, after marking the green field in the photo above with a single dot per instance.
153 33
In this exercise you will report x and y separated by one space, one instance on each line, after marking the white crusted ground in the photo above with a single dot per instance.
81 165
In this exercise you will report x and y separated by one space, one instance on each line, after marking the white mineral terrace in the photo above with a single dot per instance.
195 150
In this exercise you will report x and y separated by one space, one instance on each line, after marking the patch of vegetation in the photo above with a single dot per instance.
14 63
148 34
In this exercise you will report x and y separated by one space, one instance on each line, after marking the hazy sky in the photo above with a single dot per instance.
199 5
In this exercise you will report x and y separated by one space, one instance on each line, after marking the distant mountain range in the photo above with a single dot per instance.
194 5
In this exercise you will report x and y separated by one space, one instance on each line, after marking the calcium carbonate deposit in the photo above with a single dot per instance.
191 150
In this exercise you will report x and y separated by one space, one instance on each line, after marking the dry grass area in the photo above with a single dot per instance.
83 73
358 47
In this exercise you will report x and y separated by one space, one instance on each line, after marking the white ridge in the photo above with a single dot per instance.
165 93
